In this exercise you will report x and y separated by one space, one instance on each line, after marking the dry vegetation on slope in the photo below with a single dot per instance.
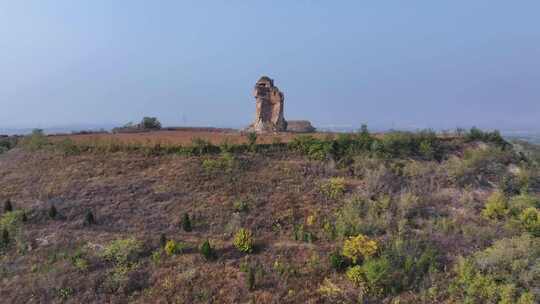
320 222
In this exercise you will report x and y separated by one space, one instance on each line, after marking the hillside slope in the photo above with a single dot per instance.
420 216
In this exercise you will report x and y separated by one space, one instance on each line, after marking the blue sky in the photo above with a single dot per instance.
407 64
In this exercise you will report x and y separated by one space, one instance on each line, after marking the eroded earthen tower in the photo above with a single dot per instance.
269 107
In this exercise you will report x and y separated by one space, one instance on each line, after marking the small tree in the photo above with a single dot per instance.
337 261
53 212
24 218
364 131
186 223
207 251
151 123
5 236
89 218
8 207
162 240
250 282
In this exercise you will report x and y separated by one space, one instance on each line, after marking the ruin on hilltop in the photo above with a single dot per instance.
269 113
269 107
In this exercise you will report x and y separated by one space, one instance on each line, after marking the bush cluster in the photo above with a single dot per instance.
35 141
521 210
334 188
172 248
359 248
480 166
423 144
503 273
243 240
122 252
8 143
495 137
224 164
150 123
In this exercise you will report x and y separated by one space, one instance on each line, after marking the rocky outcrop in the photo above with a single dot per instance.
269 107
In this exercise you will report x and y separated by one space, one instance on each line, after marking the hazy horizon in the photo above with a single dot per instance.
417 65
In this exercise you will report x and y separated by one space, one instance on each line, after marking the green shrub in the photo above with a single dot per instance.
201 146
79 261
243 241
37 140
423 144
10 229
359 248
172 248
156 256
479 166
314 148
377 274
334 188
427 150
510 185
11 221
64 293
252 139
408 144
530 219
80 264
521 202
301 234
363 216
364 138
482 277
241 206
224 164
7 143
349 219
186 223
472 286
68 147
207 251
527 298
8 206
495 137
411 260
496 206
355 274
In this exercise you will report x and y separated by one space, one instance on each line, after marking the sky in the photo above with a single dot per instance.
390 64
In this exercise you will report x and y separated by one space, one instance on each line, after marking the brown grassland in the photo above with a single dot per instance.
165 137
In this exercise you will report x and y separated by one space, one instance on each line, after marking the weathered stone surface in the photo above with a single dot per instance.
269 107
300 126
